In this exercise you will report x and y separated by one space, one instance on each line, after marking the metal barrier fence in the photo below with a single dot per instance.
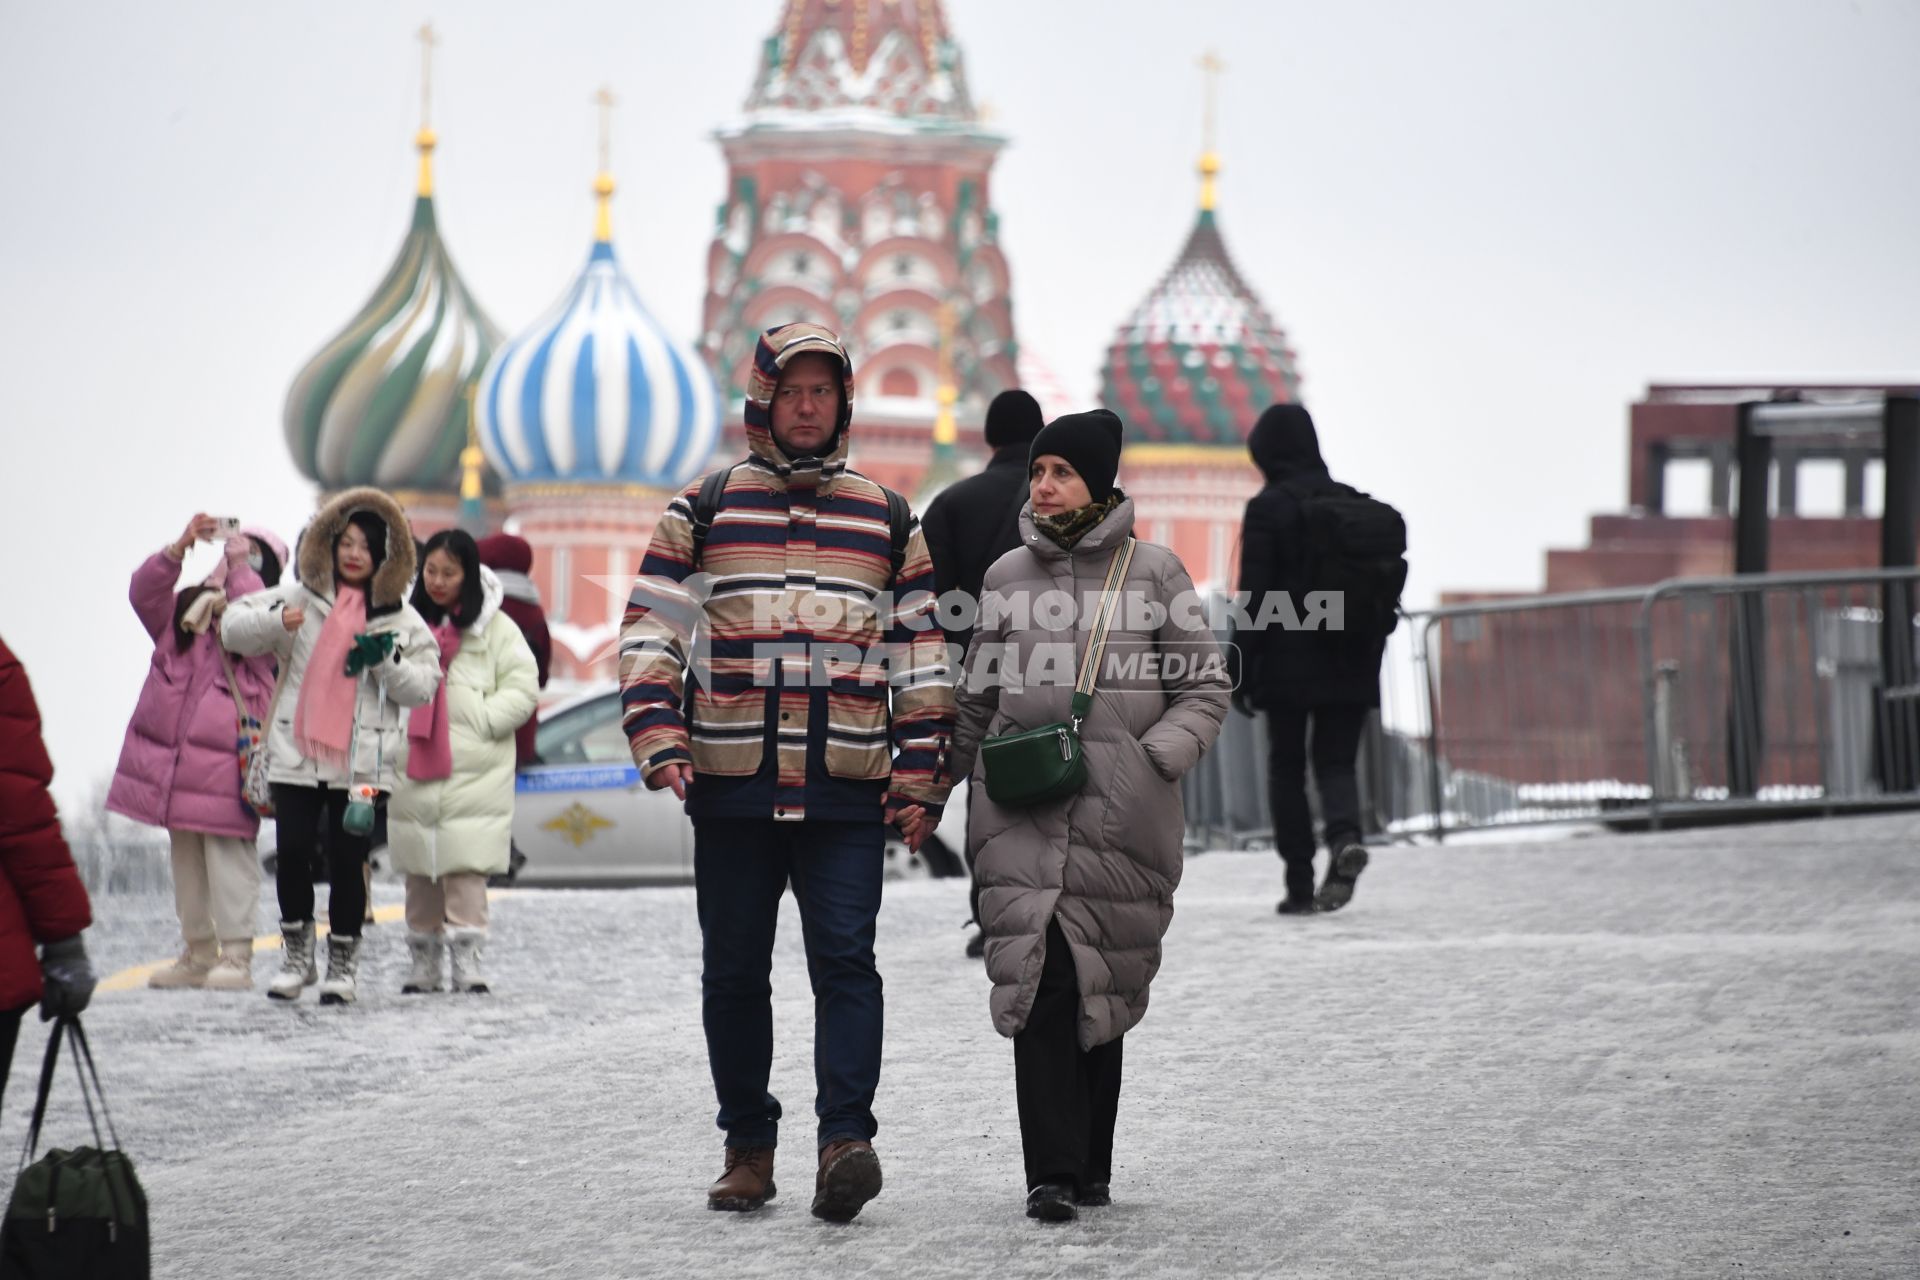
1765 691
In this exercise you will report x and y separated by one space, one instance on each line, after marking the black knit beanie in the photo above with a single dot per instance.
1089 441
1012 418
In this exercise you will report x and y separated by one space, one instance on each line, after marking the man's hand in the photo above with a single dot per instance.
676 776
915 826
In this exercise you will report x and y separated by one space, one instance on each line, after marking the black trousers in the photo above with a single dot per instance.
307 818
9 1034
1068 1098
1330 736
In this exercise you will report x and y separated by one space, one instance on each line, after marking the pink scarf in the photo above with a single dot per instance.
429 748
323 718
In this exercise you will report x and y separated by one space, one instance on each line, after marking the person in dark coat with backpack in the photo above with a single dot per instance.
1316 684
974 522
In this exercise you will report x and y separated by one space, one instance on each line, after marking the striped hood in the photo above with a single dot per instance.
777 347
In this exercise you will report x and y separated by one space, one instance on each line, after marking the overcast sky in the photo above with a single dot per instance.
1486 225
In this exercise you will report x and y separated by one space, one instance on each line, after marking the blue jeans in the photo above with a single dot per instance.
741 866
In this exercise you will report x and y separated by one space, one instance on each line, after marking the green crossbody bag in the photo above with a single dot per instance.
1039 766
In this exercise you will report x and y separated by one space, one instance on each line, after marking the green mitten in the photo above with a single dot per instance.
369 651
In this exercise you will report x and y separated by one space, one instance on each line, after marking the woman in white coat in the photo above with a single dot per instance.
450 824
354 655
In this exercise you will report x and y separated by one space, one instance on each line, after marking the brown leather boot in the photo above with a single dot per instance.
849 1177
747 1181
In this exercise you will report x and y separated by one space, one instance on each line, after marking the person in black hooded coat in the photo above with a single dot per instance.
1316 687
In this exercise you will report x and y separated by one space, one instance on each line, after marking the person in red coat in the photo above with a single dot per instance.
511 559
42 901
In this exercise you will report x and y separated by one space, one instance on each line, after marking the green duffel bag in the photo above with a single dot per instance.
1039 766
75 1214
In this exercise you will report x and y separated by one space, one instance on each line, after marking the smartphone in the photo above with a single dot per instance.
226 527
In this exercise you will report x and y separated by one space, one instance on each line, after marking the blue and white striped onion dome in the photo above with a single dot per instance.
596 392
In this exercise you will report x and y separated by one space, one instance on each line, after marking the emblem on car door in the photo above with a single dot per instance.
577 823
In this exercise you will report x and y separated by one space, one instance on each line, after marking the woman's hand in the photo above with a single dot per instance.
199 529
238 548
370 649
915 826
292 617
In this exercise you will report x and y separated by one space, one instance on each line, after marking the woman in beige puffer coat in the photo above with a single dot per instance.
450 825
1076 895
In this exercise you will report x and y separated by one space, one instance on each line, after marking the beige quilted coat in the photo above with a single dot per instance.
1106 861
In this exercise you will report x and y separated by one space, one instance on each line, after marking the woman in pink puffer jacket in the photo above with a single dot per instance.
180 765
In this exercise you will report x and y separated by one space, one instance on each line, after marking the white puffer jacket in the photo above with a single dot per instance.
464 823
408 678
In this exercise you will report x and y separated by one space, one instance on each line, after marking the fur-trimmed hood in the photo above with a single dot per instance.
392 581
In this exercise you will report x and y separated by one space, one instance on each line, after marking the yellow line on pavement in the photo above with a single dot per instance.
136 977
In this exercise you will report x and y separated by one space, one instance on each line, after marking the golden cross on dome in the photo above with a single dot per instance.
426 138
603 181
1212 68
427 41
605 100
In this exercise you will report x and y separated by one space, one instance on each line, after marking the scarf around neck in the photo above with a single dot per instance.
323 717
1069 527
429 736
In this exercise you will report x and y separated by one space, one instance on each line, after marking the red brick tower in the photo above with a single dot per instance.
858 197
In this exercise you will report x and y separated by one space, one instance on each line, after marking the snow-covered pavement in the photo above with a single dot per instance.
1670 1055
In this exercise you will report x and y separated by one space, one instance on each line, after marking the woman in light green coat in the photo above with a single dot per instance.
450 824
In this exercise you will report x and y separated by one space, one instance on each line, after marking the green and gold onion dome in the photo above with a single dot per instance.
387 401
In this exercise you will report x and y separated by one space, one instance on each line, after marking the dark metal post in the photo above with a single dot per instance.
1435 783
1899 738
1747 660
1720 479
1787 463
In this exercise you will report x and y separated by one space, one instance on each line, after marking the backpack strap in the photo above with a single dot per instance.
706 505
900 527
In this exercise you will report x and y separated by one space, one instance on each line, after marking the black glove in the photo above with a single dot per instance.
1240 703
67 976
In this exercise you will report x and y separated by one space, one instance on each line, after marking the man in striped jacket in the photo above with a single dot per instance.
820 711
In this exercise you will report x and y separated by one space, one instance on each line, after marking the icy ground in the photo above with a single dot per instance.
1669 1055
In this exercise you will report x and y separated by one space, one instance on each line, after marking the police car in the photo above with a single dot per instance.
582 816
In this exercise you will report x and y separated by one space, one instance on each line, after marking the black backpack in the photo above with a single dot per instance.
1357 545
706 505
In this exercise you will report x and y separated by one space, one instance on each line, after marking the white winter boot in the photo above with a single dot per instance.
343 964
429 951
297 971
466 945
234 969
190 970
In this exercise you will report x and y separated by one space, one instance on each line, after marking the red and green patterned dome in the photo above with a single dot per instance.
1200 357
